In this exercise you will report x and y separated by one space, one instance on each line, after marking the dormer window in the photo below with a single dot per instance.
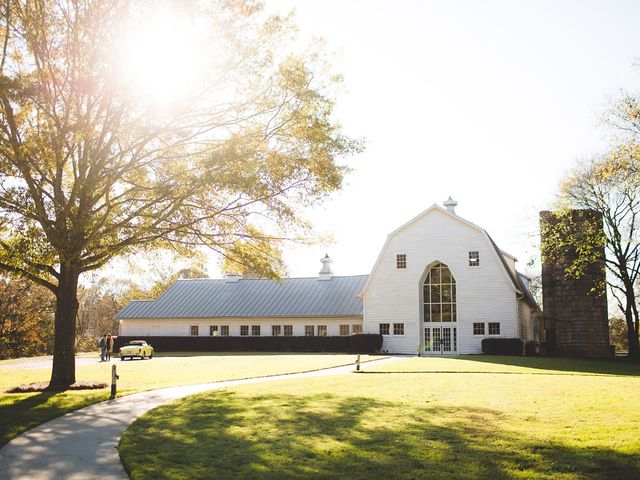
474 259
401 260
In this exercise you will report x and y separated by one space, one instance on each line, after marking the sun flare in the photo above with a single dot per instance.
160 57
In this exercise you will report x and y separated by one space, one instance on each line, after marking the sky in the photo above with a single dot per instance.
490 102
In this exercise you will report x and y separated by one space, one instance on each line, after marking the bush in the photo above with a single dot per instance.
531 348
366 343
502 346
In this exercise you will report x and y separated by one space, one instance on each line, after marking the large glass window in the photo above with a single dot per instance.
309 330
494 328
439 295
213 330
322 330
244 330
344 330
276 330
384 329
194 330
255 330
224 330
356 329
288 330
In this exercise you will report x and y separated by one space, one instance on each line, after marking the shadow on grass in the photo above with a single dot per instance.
20 412
224 435
613 366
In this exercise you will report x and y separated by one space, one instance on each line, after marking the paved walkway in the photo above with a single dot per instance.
83 444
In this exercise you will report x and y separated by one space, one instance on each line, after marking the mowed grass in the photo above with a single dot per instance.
539 420
20 412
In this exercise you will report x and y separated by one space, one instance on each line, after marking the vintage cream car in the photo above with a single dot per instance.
136 348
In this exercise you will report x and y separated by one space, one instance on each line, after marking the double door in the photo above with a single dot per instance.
442 340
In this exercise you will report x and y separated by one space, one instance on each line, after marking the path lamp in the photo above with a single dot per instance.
114 378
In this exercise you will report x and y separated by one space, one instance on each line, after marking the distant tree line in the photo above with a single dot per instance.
27 311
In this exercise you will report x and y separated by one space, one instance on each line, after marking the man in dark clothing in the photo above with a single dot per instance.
109 346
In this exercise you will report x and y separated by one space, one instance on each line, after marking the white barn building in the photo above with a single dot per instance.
439 286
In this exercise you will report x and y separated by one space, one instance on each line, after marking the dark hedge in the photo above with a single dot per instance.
531 348
365 343
502 346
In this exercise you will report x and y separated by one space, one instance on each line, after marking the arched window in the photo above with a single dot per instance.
439 295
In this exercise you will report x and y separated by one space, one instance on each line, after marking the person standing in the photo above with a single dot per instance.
104 348
109 346
101 348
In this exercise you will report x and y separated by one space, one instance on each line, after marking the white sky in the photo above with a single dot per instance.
489 102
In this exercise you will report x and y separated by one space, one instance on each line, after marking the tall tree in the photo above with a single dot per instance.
212 133
610 185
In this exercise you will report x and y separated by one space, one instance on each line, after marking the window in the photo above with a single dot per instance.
322 330
213 330
244 330
356 329
398 328
474 259
276 330
401 260
194 330
439 295
478 328
494 328
308 330
224 330
288 330
255 330
344 330
384 329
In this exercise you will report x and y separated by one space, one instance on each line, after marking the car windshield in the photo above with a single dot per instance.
136 343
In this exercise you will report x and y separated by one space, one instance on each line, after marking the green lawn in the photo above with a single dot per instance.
433 418
19 412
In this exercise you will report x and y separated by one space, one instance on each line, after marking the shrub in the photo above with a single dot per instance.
366 343
502 346
531 348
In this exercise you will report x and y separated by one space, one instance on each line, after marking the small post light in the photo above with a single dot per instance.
358 363
114 378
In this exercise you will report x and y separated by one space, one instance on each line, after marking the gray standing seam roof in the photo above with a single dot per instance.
293 297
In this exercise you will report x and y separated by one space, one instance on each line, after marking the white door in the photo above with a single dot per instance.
441 340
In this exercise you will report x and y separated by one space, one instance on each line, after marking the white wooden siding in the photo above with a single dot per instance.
484 293
182 327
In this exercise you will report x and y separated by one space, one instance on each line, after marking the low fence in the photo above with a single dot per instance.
365 343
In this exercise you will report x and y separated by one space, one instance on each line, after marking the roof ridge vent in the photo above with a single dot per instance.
325 272
231 277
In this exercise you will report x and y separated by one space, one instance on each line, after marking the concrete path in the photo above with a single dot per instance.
83 444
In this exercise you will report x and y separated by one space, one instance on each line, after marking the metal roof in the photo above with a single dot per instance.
293 297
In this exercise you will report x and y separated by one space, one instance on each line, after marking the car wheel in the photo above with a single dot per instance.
122 359
150 355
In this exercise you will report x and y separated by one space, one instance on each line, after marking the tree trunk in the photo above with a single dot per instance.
632 335
64 361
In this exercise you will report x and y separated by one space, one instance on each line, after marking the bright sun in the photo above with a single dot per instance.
160 56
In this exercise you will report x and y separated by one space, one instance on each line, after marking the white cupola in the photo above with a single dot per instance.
450 205
325 272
